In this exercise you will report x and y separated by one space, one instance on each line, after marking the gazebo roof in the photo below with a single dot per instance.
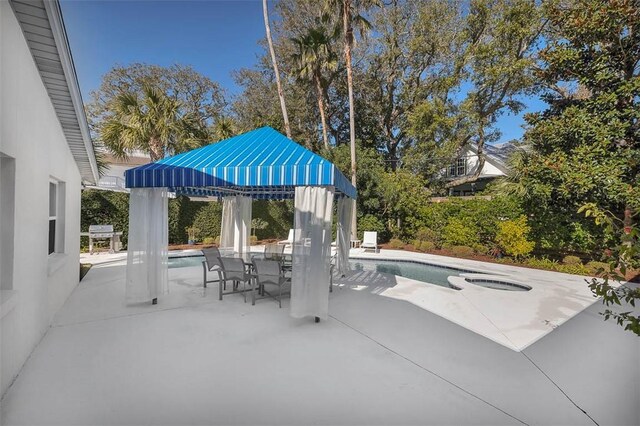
262 163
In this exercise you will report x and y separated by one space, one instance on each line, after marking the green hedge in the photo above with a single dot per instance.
106 207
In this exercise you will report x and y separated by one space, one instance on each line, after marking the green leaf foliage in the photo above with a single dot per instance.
107 207
512 237
459 233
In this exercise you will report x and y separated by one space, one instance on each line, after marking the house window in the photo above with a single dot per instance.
56 216
458 168
7 217
462 166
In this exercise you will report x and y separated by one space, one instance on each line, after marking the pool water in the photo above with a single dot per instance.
431 274
185 261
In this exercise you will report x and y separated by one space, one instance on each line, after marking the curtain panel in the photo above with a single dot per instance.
147 253
345 210
311 252
236 224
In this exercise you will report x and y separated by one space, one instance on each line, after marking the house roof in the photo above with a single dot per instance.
43 28
262 163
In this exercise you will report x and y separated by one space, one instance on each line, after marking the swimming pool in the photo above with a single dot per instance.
427 273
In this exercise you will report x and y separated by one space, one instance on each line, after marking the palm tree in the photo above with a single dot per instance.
314 58
153 123
350 17
265 12
224 128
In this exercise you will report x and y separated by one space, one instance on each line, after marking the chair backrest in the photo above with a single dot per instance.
268 270
370 237
231 264
212 256
273 251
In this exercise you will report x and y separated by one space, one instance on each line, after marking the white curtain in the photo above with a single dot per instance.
345 210
311 252
227 226
236 224
147 253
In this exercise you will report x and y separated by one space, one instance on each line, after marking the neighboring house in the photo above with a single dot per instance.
467 164
46 156
113 178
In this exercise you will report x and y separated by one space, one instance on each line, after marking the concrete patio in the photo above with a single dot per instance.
192 359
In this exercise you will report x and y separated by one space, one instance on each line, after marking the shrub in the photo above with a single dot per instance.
427 234
595 267
458 233
462 251
369 222
480 249
572 260
277 214
182 212
481 214
208 219
542 263
208 241
427 246
579 269
396 243
512 237
105 208
253 240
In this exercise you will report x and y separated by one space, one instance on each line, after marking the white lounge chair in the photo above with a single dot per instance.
370 240
289 239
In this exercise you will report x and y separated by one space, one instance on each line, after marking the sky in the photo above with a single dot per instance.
215 37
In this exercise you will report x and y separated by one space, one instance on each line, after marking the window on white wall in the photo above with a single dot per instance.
7 215
56 216
458 168
462 166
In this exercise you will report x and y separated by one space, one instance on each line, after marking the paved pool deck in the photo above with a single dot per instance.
379 359
515 319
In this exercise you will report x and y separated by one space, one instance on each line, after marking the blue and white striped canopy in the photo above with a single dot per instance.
262 163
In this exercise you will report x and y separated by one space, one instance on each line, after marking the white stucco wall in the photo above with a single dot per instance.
31 133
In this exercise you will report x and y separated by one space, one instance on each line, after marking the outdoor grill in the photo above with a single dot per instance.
103 232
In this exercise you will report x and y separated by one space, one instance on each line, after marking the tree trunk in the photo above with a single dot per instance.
323 119
348 41
156 152
275 69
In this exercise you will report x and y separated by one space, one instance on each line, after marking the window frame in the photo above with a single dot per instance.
463 166
53 216
57 188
